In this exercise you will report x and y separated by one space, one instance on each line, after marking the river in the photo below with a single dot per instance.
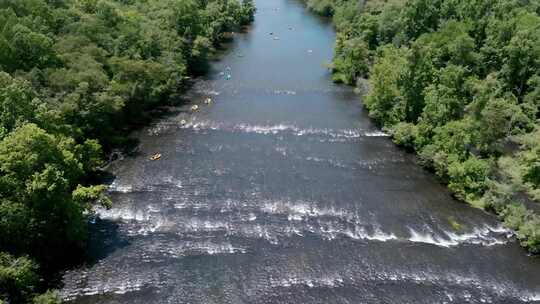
283 191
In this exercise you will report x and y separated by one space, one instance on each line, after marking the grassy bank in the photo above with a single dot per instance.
458 82
72 74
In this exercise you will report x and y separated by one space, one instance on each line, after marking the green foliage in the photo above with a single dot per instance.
351 60
17 277
386 102
526 223
455 224
514 215
445 99
468 179
95 194
529 163
322 7
38 173
532 174
495 122
17 103
449 143
404 134
50 297
421 16
24 49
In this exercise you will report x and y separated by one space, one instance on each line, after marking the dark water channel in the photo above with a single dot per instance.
283 191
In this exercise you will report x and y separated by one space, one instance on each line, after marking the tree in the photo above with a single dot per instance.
468 179
38 173
529 234
17 103
496 121
18 278
531 160
421 16
450 143
522 54
351 60
28 49
446 100
385 100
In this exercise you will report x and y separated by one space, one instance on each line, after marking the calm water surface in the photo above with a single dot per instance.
283 191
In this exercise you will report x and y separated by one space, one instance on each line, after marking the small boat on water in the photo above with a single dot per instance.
194 108
155 156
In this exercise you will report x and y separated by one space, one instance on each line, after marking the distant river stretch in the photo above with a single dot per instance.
281 190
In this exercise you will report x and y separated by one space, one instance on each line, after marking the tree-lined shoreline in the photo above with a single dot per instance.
457 82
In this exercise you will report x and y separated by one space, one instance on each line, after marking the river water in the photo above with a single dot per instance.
283 191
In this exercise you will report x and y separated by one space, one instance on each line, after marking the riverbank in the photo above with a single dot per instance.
76 76
448 84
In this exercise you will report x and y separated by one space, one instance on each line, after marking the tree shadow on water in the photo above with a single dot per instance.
103 239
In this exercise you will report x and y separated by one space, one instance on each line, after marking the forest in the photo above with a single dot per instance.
457 82
74 74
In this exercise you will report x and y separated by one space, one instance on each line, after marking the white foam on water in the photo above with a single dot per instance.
159 224
190 248
116 187
293 210
128 287
257 232
487 288
485 236
265 129
122 214
531 297
302 216
500 229
357 233
212 92
214 249
299 210
493 286
280 128
153 208
203 125
381 236
376 134
429 238
196 225
291 281
181 205
332 162
116 287
286 92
